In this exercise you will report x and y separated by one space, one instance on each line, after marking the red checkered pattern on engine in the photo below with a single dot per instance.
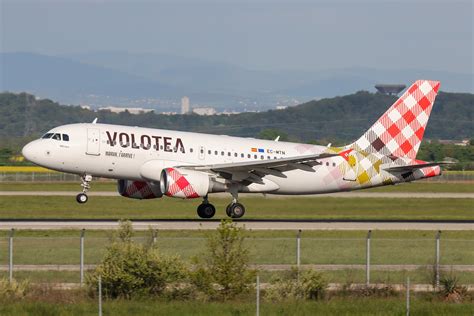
139 190
179 186
400 130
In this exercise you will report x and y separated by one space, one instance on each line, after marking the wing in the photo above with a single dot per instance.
253 171
415 167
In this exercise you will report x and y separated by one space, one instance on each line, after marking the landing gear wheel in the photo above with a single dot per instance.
82 198
235 210
206 210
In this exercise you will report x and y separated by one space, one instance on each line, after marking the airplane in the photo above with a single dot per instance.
150 163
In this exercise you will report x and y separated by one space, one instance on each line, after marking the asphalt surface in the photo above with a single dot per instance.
353 194
6 224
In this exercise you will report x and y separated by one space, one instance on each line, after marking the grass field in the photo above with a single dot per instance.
420 305
266 247
420 186
257 207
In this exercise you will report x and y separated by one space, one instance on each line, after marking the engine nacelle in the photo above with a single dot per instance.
139 189
182 183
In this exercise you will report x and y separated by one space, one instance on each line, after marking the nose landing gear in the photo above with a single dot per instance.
82 198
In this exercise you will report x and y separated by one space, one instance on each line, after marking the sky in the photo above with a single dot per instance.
259 34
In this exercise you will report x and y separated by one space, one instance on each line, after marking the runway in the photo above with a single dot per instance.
184 224
353 194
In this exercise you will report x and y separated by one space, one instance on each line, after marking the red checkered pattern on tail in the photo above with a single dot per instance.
179 186
400 130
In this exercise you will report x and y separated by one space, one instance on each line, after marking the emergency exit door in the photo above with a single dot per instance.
93 141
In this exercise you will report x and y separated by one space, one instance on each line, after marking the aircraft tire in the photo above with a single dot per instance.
82 198
206 210
236 210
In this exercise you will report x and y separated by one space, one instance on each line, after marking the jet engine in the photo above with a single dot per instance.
139 189
183 183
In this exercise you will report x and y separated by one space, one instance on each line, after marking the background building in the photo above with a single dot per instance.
204 111
390 89
185 108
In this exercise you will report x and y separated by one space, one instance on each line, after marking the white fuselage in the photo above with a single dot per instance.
119 152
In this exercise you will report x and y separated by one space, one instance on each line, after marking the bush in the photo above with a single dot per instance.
451 290
130 269
13 290
311 285
222 272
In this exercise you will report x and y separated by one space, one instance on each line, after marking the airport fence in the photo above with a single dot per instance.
454 176
354 260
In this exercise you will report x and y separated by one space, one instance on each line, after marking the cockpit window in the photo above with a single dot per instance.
47 135
65 137
57 136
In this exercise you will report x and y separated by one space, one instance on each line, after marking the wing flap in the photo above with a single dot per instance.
298 162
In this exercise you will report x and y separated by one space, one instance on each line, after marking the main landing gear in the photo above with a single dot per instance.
233 210
82 198
206 209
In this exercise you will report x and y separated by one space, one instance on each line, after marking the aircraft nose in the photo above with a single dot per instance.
30 152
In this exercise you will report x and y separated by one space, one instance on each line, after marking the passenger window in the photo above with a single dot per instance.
228 154
222 153
255 156
65 137
57 136
242 155
202 151
190 150
215 153
208 152
248 156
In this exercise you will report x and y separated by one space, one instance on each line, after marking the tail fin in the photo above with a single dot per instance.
399 131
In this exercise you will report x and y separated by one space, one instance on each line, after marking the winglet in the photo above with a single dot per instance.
278 138
94 121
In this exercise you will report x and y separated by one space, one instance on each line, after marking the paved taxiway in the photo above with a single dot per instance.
353 194
249 224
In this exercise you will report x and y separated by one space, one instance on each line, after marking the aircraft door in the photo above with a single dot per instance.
202 152
352 167
93 141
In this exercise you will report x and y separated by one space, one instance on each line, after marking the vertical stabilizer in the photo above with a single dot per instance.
399 131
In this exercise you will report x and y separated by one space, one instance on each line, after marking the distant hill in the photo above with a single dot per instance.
62 78
336 119
197 75
73 78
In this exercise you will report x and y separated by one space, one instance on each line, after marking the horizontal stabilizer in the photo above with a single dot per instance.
417 166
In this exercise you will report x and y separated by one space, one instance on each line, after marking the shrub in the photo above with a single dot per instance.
129 269
222 271
451 290
13 290
311 285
